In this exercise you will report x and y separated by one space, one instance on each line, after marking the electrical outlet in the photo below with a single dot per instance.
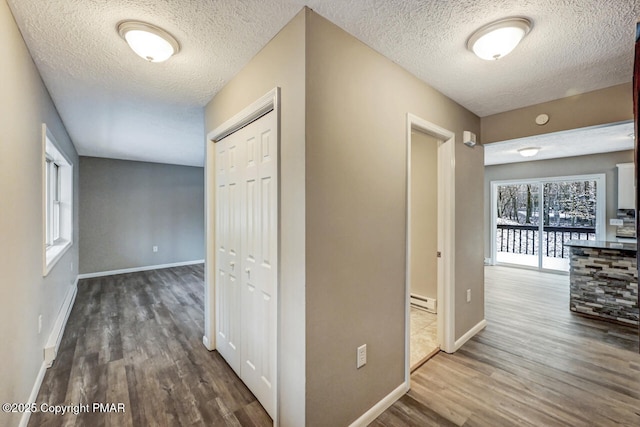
468 295
155 249
616 222
361 359
40 323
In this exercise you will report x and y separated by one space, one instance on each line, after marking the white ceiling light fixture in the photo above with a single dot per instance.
499 38
148 41
529 151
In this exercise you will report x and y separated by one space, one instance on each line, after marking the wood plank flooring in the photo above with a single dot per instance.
137 339
535 364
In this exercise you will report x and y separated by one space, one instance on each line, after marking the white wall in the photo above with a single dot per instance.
24 294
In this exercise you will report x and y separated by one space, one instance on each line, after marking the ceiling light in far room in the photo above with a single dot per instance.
529 151
497 39
148 41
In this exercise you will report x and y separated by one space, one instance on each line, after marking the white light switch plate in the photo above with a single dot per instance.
362 356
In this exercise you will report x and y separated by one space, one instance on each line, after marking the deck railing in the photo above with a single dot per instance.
523 239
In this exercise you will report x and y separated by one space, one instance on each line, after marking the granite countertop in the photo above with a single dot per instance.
601 244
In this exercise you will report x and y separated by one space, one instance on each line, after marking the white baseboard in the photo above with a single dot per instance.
138 269
207 344
375 411
53 343
24 420
429 304
470 333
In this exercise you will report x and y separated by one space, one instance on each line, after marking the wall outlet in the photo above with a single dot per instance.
616 222
468 295
155 249
40 324
361 356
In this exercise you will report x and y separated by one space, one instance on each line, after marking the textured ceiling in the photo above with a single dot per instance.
116 105
576 142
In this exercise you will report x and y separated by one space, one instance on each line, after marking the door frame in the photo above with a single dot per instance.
446 236
264 105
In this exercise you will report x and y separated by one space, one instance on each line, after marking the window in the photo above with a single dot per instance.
52 209
57 200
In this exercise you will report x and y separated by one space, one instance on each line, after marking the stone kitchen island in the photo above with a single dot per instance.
604 280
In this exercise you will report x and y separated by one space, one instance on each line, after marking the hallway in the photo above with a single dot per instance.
137 339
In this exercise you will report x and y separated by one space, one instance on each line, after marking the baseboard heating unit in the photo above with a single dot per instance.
425 303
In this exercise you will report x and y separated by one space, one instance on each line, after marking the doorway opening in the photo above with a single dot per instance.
430 241
424 247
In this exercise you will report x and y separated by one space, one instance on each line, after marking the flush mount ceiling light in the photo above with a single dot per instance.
497 39
529 151
148 41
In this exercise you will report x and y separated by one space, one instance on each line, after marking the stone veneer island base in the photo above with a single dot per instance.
604 280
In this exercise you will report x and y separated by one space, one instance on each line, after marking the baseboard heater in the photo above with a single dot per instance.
428 304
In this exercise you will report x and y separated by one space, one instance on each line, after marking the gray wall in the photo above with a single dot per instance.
128 207
581 165
24 293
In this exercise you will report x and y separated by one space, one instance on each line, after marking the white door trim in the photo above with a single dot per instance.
268 102
446 235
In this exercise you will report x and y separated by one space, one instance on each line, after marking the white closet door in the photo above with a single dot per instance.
259 252
246 262
228 202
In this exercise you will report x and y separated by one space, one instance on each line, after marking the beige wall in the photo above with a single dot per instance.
581 165
610 105
424 215
343 213
357 105
280 63
24 294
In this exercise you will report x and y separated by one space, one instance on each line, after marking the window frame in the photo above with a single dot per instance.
57 201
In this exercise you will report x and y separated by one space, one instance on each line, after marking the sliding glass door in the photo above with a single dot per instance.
517 238
532 220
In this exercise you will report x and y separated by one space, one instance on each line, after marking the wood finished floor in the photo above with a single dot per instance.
535 364
137 339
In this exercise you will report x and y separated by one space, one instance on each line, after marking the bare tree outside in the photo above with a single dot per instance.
568 212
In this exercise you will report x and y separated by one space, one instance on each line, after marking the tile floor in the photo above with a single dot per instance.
424 336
